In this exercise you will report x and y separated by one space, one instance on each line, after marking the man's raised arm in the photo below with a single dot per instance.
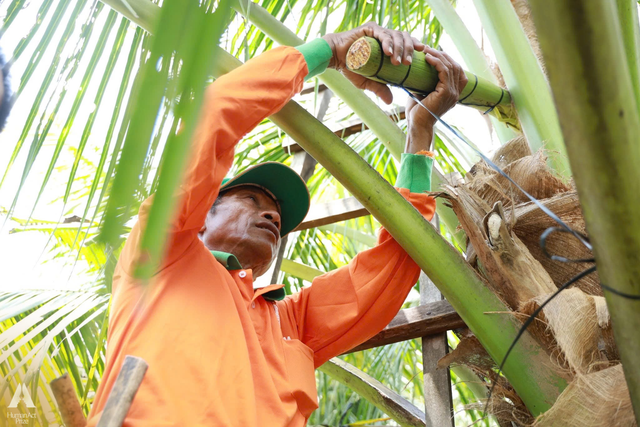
347 306
236 103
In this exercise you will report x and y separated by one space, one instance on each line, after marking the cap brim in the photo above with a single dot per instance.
284 183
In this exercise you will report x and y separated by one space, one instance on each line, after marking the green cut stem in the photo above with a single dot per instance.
365 57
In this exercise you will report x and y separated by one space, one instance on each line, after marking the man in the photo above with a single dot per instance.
220 352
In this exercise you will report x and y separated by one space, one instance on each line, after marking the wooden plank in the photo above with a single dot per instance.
332 212
312 88
437 382
416 322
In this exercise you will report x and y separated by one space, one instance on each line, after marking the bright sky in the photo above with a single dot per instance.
21 253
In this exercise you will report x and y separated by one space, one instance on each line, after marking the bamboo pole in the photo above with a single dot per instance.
583 48
471 53
528 367
525 80
365 57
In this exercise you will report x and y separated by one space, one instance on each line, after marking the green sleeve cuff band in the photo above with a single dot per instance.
415 173
317 54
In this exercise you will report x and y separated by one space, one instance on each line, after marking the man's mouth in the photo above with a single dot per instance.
270 227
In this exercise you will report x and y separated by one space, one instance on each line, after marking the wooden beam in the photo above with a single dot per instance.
416 322
312 88
332 212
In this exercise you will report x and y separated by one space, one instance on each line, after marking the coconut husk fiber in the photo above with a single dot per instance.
513 273
572 319
529 171
599 399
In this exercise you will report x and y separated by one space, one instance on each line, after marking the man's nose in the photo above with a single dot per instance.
272 216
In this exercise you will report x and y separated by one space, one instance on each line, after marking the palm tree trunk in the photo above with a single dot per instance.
584 51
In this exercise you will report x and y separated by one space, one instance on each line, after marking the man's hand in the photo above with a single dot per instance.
452 80
398 45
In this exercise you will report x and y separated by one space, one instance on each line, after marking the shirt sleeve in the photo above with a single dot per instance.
347 306
234 104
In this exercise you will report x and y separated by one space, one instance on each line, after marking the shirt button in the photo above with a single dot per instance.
242 274
253 305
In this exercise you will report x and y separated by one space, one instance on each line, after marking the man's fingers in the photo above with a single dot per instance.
408 48
382 91
398 48
441 68
441 56
417 44
387 43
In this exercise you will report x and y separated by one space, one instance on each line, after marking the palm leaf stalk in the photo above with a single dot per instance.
391 403
628 16
365 57
525 80
527 368
471 53
583 48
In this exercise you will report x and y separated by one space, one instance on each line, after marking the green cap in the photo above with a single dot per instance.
284 184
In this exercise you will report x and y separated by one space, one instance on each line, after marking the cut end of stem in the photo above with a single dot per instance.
358 54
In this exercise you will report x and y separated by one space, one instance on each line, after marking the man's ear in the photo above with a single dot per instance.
202 230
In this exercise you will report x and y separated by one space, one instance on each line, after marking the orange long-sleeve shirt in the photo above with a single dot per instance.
219 353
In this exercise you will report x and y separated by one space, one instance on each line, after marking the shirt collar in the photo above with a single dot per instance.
230 262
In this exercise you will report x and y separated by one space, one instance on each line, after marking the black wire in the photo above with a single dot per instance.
543 246
496 104
475 85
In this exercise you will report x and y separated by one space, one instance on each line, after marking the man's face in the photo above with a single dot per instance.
246 223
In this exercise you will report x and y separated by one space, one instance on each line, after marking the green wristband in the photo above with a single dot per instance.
415 173
317 54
